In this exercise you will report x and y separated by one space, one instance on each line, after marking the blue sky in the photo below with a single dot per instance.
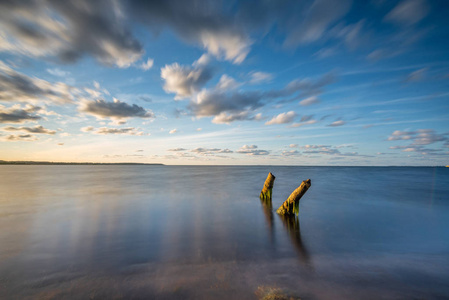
225 82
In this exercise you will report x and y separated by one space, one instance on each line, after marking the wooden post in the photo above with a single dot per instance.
267 189
291 205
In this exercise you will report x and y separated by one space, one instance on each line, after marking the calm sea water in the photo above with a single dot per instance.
186 232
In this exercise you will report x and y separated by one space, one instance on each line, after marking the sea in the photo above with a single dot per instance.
201 232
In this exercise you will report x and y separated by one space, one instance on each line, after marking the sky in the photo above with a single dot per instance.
314 82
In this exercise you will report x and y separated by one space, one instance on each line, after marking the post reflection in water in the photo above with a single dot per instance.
268 212
291 224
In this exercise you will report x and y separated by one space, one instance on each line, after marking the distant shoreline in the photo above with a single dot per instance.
2 162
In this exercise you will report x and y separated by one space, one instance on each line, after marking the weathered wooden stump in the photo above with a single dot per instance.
291 205
267 189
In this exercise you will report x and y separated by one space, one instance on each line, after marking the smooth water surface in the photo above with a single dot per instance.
187 232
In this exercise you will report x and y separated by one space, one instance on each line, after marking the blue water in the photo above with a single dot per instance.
187 232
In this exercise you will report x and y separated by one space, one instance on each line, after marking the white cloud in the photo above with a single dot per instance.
173 131
282 118
337 123
417 75
87 129
226 118
408 12
260 77
226 44
309 101
227 83
147 65
58 72
185 81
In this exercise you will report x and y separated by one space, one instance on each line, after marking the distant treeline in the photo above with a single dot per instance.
3 162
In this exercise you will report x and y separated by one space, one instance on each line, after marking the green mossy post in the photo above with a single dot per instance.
291 205
267 189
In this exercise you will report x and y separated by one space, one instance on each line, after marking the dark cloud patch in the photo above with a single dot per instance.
20 137
145 98
18 87
213 103
35 129
18 114
116 109
68 30
208 23
236 105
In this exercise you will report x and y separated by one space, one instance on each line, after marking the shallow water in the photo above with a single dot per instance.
171 232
